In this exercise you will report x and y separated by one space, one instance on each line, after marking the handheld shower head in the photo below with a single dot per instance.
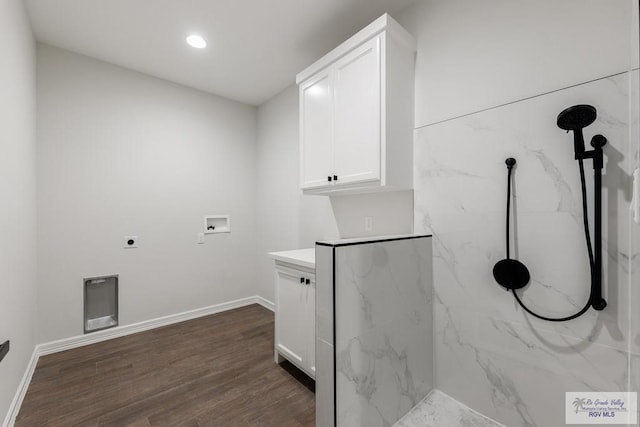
576 118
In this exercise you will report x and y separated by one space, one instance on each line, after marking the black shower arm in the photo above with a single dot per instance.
597 142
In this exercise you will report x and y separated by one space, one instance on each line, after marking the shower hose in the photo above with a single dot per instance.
589 248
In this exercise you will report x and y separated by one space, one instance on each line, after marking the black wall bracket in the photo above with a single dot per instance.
4 349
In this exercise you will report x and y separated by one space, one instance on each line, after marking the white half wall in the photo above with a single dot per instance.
18 190
124 154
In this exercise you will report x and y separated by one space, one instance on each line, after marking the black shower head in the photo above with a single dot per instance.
576 117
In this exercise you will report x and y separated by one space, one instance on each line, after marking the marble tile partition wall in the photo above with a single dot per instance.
489 354
324 337
383 303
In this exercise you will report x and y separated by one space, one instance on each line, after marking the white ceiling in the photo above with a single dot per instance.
256 47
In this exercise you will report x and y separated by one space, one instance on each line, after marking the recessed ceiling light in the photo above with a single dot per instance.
196 41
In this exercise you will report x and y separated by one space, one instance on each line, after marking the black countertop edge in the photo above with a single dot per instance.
365 242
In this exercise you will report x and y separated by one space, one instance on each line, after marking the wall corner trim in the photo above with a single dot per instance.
119 331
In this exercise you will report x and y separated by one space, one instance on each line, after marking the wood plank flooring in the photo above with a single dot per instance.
212 371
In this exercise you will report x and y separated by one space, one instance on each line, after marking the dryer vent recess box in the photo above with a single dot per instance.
100 303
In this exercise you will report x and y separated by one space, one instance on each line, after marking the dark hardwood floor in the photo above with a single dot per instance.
212 371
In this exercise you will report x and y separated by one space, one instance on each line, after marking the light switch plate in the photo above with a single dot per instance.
200 238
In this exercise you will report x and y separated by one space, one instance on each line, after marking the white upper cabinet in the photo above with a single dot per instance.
356 114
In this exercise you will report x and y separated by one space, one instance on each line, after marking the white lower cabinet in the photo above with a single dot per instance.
295 291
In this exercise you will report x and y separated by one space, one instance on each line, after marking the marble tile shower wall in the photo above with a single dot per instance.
489 354
634 247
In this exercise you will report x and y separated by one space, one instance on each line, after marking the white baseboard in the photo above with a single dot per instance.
265 303
118 331
14 408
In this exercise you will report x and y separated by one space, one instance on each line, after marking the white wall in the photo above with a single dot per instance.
287 219
473 56
18 195
121 153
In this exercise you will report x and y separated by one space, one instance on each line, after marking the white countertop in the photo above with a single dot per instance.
301 257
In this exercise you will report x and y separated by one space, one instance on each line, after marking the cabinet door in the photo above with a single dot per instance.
291 331
316 129
357 121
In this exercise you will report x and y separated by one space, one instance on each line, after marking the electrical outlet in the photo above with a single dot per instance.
130 242
200 238
368 223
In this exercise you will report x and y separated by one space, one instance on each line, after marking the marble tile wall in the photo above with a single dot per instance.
489 354
634 247
384 352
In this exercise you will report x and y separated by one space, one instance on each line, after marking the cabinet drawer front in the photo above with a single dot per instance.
357 118
316 124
